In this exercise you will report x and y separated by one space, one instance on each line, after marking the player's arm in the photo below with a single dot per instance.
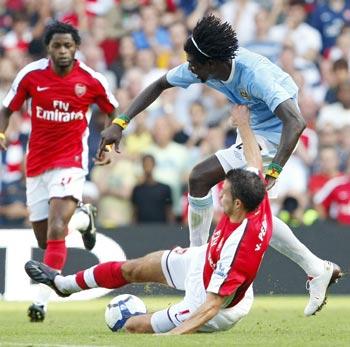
203 314
293 126
240 117
5 114
113 134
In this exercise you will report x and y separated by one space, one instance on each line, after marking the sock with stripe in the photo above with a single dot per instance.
200 215
55 257
105 275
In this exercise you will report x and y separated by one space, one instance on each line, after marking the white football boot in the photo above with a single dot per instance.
318 286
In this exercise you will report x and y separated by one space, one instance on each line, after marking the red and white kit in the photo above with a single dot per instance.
227 266
59 108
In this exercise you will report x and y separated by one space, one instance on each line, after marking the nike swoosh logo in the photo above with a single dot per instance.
40 89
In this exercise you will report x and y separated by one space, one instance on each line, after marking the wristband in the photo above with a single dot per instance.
109 148
122 120
274 170
2 136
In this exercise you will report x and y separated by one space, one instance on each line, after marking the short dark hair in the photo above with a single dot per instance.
213 37
340 64
57 27
246 186
148 157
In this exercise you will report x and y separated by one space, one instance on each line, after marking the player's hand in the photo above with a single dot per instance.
240 116
104 158
270 182
109 136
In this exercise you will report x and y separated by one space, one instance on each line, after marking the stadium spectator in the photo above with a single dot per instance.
296 32
338 114
261 43
333 199
151 35
327 167
172 160
240 14
342 47
152 201
340 69
115 183
328 18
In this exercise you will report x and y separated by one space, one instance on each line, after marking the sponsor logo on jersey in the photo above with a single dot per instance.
41 89
60 112
57 115
244 94
80 89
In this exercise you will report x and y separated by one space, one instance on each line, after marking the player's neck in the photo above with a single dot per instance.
62 71
224 71
237 216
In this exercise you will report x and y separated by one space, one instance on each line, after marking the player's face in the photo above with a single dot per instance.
200 70
62 49
226 198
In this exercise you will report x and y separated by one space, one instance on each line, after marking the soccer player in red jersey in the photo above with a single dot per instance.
59 91
217 276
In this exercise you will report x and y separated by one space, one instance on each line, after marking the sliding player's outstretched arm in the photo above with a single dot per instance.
209 309
240 117
113 134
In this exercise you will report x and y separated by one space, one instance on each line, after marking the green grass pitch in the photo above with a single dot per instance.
273 321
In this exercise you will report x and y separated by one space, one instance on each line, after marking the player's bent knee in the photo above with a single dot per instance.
139 324
132 270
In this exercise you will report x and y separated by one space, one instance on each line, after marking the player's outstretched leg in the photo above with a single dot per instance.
200 212
322 273
114 274
83 220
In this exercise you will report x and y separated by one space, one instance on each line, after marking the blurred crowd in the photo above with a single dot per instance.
134 42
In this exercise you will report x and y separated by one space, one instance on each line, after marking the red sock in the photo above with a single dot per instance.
55 254
106 275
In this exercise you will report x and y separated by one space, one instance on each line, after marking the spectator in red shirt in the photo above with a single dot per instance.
328 169
333 199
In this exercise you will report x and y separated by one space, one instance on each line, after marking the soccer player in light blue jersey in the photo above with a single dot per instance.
246 78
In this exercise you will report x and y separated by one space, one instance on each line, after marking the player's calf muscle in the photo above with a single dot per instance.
145 269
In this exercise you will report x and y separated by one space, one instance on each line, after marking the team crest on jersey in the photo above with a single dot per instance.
244 94
80 89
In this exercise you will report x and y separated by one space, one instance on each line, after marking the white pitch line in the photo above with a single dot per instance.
29 344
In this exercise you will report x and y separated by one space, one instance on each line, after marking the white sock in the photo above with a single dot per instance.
200 215
67 284
42 295
79 221
284 241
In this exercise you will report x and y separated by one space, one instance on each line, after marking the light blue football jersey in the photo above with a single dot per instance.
254 82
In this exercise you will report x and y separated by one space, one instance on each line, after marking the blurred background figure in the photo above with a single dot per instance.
152 201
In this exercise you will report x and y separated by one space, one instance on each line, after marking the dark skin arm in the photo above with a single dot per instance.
103 158
113 134
293 126
5 114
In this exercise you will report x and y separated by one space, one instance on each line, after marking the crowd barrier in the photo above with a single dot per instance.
278 275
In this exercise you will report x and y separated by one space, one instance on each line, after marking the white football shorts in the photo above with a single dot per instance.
57 183
233 158
183 269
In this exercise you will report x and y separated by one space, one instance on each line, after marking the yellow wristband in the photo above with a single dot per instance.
273 173
2 136
109 148
121 122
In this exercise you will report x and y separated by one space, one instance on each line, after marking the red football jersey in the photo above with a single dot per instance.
335 198
235 252
59 108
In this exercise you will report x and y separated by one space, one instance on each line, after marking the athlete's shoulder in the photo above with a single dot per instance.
37 65
90 72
